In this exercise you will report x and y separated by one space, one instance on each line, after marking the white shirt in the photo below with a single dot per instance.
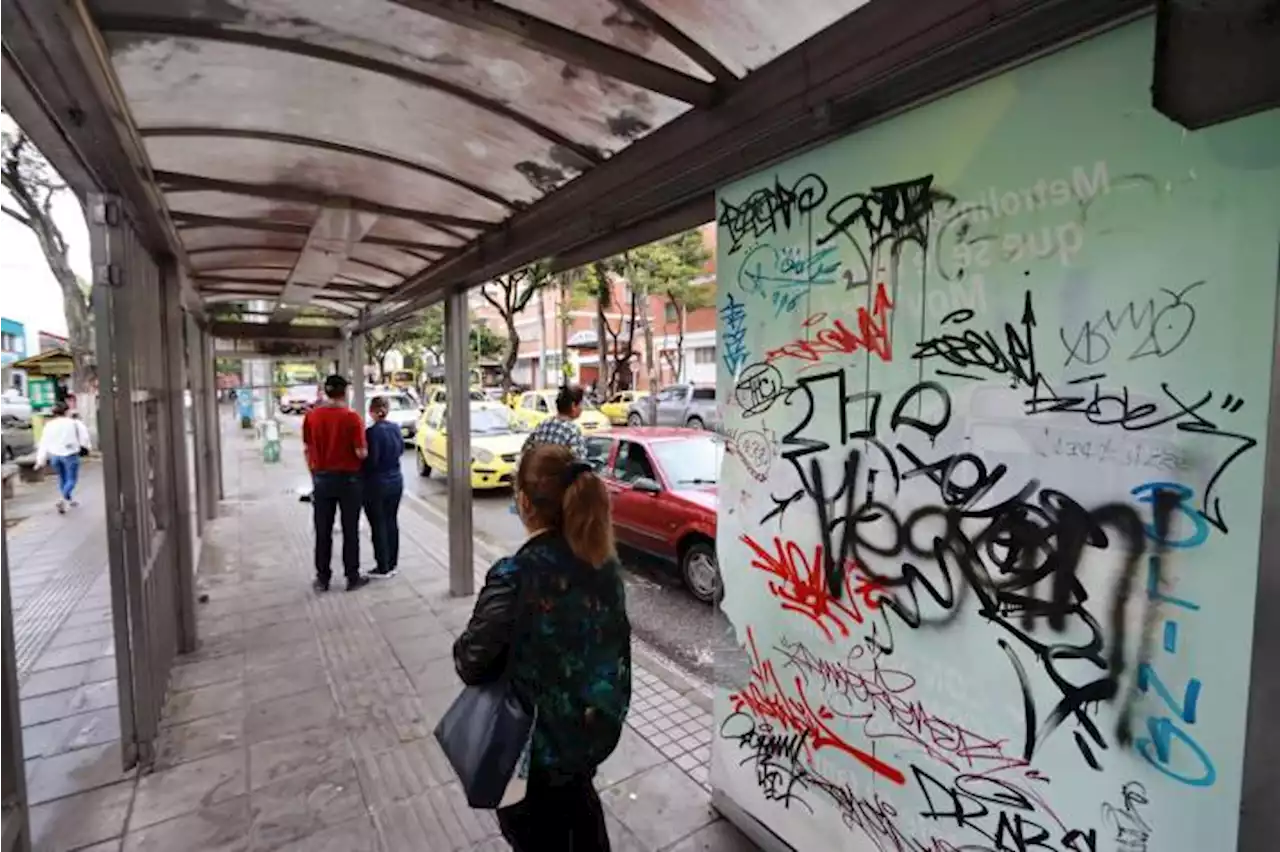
62 436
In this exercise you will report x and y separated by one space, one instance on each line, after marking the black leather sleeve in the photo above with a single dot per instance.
481 651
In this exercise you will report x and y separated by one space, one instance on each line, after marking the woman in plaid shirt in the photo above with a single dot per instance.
561 429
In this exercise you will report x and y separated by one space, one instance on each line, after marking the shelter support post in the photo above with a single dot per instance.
194 359
214 419
16 823
458 425
179 498
115 387
357 373
14 820
344 358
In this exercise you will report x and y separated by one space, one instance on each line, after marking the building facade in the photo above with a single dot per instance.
544 341
13 347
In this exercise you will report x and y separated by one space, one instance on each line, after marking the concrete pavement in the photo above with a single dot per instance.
304 720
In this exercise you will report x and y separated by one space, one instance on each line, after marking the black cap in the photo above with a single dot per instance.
335 385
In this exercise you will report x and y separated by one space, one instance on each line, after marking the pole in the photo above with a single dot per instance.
458 420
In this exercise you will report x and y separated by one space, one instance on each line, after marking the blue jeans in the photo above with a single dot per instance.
382 506
68 468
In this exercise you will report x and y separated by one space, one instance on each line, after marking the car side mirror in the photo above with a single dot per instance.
645 485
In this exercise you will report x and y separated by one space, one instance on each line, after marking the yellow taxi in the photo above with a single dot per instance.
536 406
495 446
435 395
616 408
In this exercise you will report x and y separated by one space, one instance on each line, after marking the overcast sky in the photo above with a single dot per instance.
28 291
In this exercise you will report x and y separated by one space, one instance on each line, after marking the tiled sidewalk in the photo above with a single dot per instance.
304 721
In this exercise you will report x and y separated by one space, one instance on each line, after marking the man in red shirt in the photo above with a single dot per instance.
333 435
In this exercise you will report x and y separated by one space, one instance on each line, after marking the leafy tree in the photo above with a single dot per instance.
485 342
510 294
33 185
379 342
684 284
433 331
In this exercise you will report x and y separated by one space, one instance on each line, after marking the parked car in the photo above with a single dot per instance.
436 395
403 411
692 406
14 404
618 405
536 406
19 439
663 487
495 445
299 399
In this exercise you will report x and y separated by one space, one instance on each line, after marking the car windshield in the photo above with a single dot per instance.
690 461
489 420
399 402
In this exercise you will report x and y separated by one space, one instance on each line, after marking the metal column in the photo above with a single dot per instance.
214 418
458 425
357 373
115 388
140 438
344 358
13 774
194 352
179 498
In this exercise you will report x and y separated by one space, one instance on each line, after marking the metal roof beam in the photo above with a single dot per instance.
190 132
242 247
274 331
187 221
211 31
678 39
177 182
562 43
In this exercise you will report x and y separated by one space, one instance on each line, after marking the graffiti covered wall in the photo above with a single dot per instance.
995 377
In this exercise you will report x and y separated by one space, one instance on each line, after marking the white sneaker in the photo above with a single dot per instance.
62 508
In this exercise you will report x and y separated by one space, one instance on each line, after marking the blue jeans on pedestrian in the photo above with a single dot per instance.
68 469
382 507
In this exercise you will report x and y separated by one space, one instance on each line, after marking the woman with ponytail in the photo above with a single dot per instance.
558 606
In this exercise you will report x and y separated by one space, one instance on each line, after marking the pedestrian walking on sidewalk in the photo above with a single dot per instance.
553 619
333 436
64 440
562 429
383 487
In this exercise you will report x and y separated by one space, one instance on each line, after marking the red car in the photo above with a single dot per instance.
663 486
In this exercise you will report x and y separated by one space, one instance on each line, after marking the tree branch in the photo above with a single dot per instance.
23 219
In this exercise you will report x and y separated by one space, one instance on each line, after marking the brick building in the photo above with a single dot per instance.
538 361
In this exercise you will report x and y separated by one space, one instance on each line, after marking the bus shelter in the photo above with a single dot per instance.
364 160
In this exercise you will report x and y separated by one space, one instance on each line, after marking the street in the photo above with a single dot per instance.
663 613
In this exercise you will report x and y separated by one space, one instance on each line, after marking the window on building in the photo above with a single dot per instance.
9 342
704 355
672 316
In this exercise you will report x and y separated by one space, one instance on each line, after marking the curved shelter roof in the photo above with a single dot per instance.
370 153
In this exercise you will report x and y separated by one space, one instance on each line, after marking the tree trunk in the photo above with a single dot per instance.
602 342
681 318
604 294
511 352
650 365
565 320
75 307
541 381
